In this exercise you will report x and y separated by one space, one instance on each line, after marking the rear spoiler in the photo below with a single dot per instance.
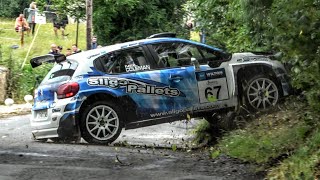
50 58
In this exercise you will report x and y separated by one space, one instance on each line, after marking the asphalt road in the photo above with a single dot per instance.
143 158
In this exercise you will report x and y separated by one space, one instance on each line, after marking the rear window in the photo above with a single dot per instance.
60 72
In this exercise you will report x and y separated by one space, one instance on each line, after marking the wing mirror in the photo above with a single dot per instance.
196 63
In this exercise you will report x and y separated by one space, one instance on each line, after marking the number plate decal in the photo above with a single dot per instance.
212 85
42 114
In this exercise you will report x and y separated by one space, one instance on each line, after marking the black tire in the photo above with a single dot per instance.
261 93
101 122
224 122
228 121
42 140
214 122
66 140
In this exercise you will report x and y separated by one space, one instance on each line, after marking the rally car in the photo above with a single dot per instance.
97 93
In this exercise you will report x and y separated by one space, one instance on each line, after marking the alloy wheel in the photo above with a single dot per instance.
102 122
262 93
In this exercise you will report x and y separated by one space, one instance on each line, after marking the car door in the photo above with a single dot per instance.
138 78
186 67
212 79
177 70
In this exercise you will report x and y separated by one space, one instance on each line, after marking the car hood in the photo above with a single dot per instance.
249 56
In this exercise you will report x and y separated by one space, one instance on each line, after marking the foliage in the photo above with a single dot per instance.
267 25
12 8
23 79
265 144
302 164
290 136
119 21
203 133
73 8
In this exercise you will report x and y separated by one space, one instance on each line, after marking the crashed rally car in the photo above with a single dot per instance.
97 93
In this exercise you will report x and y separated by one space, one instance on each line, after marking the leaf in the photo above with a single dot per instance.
188 117
174 147
215 154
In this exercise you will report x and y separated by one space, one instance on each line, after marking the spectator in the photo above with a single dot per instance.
31 17
75 49
68 52
60 48
94 43
54 49
60 22
21 24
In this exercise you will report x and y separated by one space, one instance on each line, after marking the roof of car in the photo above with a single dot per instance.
96 52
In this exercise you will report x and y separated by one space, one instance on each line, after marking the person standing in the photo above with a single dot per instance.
60 22
32 16
94 43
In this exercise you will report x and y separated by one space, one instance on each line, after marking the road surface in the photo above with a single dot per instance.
23 158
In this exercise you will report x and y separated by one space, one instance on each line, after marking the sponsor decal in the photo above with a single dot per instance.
133 86
191 109
211 74
133 67
212 85
215 74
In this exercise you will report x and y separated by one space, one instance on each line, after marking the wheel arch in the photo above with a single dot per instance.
243 73
126 104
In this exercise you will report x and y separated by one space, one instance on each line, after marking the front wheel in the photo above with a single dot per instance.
101 123
261 93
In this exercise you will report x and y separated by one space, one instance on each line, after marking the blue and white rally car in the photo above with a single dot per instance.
97 93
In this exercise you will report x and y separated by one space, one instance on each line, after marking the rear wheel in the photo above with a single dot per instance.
261 93
101 123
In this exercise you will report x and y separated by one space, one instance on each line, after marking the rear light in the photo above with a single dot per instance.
67 90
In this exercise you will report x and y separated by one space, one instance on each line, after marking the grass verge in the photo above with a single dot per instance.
284 141
22 79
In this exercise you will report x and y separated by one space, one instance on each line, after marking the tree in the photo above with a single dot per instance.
12 8
73 8
119 21
268 25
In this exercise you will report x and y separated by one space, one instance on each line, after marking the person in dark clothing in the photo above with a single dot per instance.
54 49
75 49
60 22
94 43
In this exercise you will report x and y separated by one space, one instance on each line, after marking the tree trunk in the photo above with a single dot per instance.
89 22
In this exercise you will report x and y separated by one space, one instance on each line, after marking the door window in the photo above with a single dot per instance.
124 61
176 54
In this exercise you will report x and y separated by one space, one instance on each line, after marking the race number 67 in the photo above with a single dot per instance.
209 91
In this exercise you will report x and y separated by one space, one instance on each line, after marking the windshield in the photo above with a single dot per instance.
60 72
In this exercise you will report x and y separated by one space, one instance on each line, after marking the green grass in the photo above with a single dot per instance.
285 142
23 78
303 164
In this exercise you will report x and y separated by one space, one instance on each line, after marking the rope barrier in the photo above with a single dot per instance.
34 38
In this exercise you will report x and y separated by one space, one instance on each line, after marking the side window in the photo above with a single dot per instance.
176 54
129 60
211 55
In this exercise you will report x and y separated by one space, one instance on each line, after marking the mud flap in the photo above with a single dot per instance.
67 127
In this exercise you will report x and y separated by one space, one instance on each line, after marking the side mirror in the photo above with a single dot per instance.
196 63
